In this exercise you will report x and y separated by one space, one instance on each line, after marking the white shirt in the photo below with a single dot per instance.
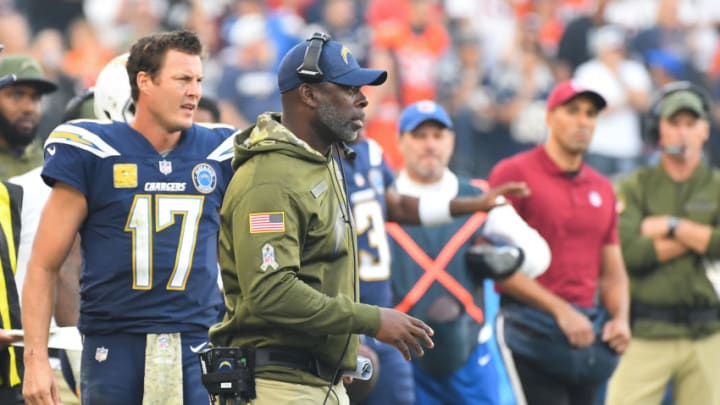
617 133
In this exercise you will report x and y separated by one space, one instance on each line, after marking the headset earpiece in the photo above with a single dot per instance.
309 71
652 118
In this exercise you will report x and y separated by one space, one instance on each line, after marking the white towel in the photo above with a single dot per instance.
163 369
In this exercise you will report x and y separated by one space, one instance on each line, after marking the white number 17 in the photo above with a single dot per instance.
140 224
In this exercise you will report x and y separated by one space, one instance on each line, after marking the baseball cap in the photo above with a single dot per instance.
336 62
421 111
27 71
683 100
569 89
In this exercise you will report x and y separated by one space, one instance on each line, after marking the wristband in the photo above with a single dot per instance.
434 211
673 222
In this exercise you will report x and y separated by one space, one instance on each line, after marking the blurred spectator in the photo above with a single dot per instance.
409 50
665 67
520 82
63 12
383 110
87 55
462 90
632 15
198 16
382 11
140 18
20 114
14 33
248 84
340 20
493 20
415 46
617 146
547 19
119 22
48 49
667 34
574 47
284 27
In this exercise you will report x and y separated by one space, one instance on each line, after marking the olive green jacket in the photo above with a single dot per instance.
288 254
680 282
13 163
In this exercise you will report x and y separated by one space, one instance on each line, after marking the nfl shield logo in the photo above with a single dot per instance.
165 167
164 341
101 354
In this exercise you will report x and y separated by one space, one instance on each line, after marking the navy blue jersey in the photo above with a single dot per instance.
149 240
367 178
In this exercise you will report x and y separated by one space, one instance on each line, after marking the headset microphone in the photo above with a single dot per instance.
674 150
347 151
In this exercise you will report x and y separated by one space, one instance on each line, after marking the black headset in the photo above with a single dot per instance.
309 71
652 121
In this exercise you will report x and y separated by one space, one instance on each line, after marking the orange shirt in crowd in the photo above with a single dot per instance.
415 55
86 64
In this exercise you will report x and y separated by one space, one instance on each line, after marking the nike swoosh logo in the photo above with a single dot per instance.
199 347
51 150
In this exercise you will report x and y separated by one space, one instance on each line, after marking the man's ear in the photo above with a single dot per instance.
308 95
143 80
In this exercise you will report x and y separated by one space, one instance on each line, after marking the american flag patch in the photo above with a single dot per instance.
267 222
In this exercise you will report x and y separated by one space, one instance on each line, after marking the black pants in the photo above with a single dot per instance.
11 395
541 389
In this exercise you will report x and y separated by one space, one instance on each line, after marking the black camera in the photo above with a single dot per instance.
228 373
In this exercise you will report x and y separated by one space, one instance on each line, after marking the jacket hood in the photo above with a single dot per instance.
269 135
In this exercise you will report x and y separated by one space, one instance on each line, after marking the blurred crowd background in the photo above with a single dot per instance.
491 63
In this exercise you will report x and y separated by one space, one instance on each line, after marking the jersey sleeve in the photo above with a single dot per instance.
387 174
223 153
268 229
70 152
377 158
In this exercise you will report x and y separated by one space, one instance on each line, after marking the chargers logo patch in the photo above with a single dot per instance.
204 178
125 175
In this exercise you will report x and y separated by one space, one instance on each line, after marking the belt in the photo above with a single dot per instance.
678 315
293 358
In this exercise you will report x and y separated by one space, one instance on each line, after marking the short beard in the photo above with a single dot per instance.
328 116
15 137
